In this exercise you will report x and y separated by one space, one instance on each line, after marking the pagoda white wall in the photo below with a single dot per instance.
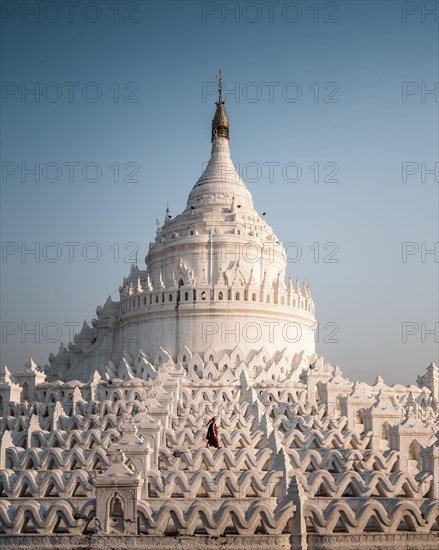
200 325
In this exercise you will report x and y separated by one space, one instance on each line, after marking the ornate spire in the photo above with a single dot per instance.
220 122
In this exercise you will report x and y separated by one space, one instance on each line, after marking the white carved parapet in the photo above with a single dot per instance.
430 463
357 401
28 380
408 437
150 429
9 392
298 522
164 398
172 385
333 390
5 443
317 374
137 451
159 404
378 418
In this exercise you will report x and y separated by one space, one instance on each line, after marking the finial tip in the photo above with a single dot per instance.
220 86
220 122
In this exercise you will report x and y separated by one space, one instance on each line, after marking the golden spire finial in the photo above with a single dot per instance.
220 122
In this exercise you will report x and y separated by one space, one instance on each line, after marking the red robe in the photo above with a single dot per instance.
212 433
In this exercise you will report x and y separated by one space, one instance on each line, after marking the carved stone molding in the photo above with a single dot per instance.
98 542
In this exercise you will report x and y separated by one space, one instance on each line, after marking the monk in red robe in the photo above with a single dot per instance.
212 433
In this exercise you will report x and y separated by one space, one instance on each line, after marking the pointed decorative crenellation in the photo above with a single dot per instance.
430 465
9 391
95 383
77 401
57 415
298 527
281 463
230 285
32 429
431 380
6 442
5 376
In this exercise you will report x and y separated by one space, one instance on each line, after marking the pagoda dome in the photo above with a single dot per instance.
216 276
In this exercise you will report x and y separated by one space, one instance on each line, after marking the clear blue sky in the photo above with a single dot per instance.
150 62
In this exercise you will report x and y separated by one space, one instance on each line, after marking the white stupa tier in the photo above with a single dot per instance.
105 447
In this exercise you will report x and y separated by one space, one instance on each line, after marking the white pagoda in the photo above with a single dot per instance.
105 447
